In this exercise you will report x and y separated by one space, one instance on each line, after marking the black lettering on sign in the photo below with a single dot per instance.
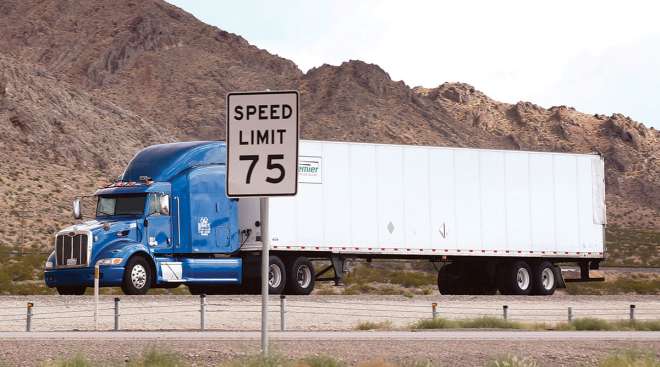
277 166
273 111
262 112
287 111
254 159
239 113
251 110
240 138
262 137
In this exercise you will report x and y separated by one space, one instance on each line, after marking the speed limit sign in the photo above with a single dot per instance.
262 143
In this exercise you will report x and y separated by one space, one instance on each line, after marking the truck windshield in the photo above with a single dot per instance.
120 205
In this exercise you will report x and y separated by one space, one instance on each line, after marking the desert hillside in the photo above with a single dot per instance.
85 85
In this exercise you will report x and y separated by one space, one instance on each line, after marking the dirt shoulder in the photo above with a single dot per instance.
213 353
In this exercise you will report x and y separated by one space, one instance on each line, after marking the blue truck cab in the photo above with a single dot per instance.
167 221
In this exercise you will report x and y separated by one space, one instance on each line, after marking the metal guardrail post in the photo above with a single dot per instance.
282 312
97 276
117 313
28 319
632 312
570 314
434 310
202 312
505 312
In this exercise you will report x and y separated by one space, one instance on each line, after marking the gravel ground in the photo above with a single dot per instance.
212 353
320 312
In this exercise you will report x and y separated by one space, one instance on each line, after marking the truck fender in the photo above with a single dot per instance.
124 249
559 277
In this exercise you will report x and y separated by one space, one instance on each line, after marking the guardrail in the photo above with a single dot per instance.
44 316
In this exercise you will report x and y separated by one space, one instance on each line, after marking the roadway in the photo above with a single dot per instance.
483 335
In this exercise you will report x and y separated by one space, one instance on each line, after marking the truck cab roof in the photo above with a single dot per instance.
163 162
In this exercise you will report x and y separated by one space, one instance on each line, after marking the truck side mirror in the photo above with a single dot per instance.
77 212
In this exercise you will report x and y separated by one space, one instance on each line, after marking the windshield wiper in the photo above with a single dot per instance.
103 213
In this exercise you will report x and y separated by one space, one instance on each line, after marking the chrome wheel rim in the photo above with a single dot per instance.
139 276
304 276
274 276
547 278
522 278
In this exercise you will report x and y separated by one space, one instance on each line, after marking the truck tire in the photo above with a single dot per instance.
544 282
137 276
300 276
72 290
514 278
276 276
449 279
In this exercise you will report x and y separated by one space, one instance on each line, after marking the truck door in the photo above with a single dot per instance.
159 228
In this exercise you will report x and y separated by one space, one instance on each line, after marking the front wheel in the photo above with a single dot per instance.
71 290
137 276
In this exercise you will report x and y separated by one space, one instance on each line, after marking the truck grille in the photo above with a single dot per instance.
71 250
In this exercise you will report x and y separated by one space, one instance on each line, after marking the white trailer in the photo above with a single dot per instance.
499 219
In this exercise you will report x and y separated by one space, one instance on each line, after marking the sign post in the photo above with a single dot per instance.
262 161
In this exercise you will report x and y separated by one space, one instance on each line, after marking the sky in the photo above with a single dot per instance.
597 56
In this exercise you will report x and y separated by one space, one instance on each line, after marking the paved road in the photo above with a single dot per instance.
336 335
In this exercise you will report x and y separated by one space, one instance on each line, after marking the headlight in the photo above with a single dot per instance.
49 265
112 261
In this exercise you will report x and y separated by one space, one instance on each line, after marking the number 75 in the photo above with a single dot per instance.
269 165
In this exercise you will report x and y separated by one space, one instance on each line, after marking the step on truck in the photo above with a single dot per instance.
491 220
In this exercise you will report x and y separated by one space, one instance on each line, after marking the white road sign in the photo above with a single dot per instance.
262 143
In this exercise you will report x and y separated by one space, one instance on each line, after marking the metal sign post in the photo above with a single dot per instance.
262 161
265 265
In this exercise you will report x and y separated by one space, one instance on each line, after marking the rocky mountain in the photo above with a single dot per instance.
84 85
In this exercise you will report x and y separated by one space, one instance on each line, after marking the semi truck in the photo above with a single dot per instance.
489 220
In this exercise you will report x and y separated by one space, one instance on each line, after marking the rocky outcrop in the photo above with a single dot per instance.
83 85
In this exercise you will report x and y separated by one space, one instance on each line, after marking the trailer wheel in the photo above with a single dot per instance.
449 279
72 290
137 276
543 279
514 278
300 276
276 276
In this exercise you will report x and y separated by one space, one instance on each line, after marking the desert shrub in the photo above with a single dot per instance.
489 322
512 361
155 358
371 325
436 323
321 361
631 358
76 361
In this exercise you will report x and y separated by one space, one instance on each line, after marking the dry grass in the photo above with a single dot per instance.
512 361
631 358
371 325
629 283
588 323
485 322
